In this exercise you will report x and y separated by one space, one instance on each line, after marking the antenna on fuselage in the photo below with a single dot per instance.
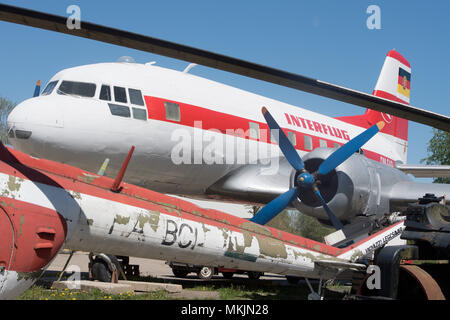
189 67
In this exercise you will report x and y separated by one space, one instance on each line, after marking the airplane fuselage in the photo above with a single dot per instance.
183 126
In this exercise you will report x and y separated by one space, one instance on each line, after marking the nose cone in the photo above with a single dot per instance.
32 123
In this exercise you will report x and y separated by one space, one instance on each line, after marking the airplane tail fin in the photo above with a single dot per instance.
394 83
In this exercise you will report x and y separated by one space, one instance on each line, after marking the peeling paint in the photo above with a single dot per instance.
271 247
205 229
86 177
256 228
14 183
121 219
152 219
75 195
22 221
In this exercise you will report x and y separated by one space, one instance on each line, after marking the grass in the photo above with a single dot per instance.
254 291
42 293
227 290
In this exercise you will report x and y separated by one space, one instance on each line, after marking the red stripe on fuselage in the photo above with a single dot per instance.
238 126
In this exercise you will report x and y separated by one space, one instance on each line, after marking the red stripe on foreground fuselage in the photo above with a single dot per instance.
77 180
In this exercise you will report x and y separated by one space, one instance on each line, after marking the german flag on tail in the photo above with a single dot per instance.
404 82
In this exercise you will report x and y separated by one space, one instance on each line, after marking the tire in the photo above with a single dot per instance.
179 273
292 280
100 271
228 275
205 273
254 275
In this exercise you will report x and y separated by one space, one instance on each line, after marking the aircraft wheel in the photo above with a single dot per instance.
179 273
205 273
228 275
100 271
254 275
292 280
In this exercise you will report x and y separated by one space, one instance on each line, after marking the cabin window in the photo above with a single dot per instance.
105 93
308 142
49 88
140 114
81 89
135 97
118 110
172 111
323 143
120 94
292 138
254 130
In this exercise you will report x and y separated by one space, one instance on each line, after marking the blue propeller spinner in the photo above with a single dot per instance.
304 178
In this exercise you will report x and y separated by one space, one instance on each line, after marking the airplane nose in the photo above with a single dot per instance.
31 123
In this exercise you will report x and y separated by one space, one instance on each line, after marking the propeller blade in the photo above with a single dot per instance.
285 145
275 206
334 220
37 89
348 149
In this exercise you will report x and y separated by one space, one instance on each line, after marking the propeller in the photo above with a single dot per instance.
37 89
305 179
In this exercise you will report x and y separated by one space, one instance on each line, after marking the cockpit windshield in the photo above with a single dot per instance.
49 88
80 89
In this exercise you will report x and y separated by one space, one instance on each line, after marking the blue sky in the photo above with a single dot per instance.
327 40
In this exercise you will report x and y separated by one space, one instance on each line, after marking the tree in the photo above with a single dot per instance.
297 223
439 151
5 108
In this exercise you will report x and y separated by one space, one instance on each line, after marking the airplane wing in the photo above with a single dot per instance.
425 171
177 51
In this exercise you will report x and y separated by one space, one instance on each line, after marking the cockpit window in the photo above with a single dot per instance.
120 94
49 88
81 89
136 97
105 93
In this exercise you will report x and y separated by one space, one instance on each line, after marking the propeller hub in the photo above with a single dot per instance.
305 179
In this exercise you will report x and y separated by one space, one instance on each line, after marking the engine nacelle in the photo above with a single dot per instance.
357 187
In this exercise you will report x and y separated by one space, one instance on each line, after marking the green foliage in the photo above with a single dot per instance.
298 224
5 108
439 151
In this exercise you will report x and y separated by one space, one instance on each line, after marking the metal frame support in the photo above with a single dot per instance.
116 186
388 259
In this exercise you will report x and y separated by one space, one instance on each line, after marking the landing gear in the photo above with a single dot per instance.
254 275
292 279
104 268
109 268
228 275
205 273
179 273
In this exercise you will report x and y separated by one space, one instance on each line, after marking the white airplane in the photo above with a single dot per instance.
90 113
185 127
